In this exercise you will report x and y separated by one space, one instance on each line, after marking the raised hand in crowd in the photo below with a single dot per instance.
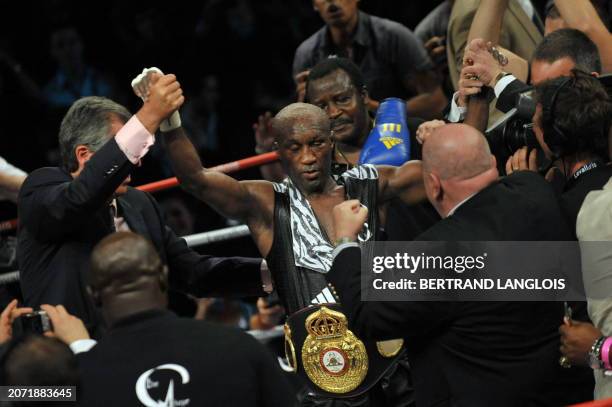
264 143
426 128
490 61
10 313
469 84
576 340
349 217
478 61
264 140
66 327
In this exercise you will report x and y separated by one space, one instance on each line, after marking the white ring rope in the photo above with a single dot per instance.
197 239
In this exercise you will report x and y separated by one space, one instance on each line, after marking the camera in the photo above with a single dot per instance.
36 322
515 129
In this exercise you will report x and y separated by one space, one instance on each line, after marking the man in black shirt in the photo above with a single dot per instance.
151 356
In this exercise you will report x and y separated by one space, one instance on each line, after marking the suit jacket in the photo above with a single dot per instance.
62 219
473 353
507 98
211 365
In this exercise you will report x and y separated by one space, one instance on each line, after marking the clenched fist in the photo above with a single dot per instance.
427 128
349 217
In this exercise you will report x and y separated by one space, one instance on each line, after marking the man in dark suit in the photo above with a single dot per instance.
64 211
151 356
466 353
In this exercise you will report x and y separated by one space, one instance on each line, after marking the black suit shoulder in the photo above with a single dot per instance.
44 175
520 207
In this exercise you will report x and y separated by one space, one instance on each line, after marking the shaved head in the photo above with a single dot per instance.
457 164
456 151
298 118
303 136
124 261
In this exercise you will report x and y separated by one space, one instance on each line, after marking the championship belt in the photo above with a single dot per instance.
333 361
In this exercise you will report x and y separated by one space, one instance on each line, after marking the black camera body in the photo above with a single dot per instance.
515 129
36 322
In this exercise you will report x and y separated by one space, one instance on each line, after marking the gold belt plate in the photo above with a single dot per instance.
333 357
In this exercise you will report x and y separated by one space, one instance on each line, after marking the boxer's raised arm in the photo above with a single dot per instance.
240 200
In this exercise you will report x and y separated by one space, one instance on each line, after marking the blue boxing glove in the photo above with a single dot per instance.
389 140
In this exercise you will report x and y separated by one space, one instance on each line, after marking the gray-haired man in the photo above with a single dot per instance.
64 211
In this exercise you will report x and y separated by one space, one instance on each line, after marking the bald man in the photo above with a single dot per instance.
149 354
468 353
291 222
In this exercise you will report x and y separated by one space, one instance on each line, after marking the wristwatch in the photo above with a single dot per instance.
594 357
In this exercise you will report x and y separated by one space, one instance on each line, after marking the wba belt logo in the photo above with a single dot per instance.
333 357
386 134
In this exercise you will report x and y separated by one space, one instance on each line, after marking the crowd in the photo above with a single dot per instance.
501 134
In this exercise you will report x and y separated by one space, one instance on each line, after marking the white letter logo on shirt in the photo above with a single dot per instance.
144 383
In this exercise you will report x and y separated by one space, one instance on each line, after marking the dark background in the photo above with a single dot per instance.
247 46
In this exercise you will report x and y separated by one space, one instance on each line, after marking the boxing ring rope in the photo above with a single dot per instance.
197 239
227 168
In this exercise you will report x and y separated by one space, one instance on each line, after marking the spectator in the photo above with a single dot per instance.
40 361
392 60
432 33
586 16
150 354
73 78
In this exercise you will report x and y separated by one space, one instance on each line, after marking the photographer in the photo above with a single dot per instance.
571 124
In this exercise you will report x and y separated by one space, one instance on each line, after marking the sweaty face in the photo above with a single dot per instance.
336 12
345 105
306 155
